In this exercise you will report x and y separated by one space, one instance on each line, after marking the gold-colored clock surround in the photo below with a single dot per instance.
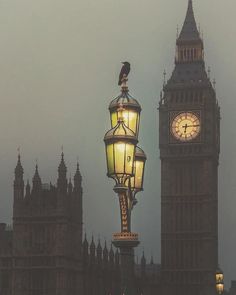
186 126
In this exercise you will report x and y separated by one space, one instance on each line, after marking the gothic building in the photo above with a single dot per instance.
47 235
189 151
43 253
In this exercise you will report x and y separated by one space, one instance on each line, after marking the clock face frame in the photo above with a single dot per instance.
186 126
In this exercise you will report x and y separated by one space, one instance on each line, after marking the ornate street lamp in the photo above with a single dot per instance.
219 281
120 144
125 164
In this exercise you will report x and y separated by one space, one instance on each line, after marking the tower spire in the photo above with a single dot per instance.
18 181
105 252
77 178
99 252
92 249
19 169
189 45
62 181
189 30
62 167
36 180
85 250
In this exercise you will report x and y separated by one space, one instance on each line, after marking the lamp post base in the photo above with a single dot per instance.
126 242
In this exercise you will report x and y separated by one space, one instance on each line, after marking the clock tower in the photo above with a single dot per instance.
189 151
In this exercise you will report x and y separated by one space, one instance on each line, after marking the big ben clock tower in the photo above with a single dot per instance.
189 151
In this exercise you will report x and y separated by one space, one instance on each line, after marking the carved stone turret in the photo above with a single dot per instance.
99 253
62 180
18 181
37 183
92 250
18 188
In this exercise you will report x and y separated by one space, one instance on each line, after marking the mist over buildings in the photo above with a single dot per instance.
59 66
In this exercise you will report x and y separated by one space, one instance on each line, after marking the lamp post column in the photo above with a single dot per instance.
126 249
125 164
126 241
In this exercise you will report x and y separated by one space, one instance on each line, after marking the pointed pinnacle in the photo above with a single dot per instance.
189 30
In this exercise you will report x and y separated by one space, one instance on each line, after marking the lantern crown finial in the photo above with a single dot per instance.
120 111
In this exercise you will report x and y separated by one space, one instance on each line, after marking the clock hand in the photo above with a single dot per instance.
185 127
193 125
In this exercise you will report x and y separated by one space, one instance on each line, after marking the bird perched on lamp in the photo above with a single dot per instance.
124 71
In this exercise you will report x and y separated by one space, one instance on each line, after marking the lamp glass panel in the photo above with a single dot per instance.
131 119
114 119
219 277
132 182
137 124
119 152
220 288
129 158
110 159
139 167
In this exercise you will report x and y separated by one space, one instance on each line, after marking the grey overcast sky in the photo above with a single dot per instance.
59 64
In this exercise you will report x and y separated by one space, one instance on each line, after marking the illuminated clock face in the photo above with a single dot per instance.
186 126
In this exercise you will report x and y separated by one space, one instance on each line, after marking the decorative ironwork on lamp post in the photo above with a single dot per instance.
125 164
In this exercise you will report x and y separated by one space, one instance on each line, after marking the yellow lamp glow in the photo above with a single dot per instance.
131 119
219 276
220 288
219 281
120 144
136 182
131 112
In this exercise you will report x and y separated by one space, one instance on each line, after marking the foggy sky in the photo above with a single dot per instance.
59 65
